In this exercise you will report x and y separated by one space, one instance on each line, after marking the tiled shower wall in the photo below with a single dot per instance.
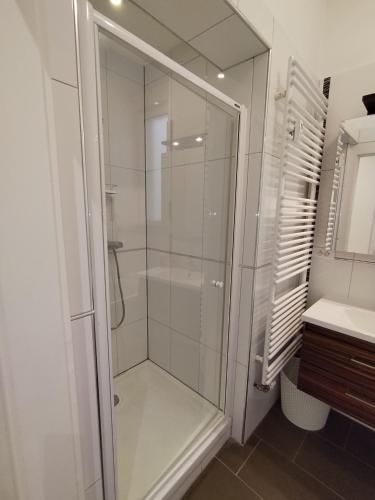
122 83
188 197
179 342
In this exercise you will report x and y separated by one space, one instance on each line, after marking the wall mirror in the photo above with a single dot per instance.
347 199
356 216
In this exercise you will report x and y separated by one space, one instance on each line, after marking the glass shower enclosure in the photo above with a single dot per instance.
168 153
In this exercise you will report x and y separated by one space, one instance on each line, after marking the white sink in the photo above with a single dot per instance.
343 318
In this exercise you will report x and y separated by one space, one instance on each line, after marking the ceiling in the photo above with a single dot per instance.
209 26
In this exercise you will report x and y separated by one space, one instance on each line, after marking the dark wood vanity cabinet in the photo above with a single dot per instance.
339 370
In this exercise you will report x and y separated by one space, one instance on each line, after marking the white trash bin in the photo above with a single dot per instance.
300 408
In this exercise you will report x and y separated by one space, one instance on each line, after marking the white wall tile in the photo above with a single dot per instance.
183 53
192 19
262 289
36 341
158 208
329 278
69 157
210 374
152 73
258 103
246 314
133 276
258 16
158 286
254 166
118 62
60 40
85 369
238 84
212 305
188 119
258 403
218 185
115 370
186 284
157 99
185 359
187 209
95 492
159 342
267 210
239 404
131 344
243 43
282 49
104 104
220 133
126 122
362 285
128 207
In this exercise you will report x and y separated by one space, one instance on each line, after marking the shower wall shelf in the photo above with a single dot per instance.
303 140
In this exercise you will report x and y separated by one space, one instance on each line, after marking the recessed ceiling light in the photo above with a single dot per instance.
175 143
156 103
221 75
116 3
199 139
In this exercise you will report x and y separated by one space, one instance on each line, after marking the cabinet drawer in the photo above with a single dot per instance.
348 368
343 395
356 355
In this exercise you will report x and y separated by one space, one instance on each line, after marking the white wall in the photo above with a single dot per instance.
36 355
349 36
305 23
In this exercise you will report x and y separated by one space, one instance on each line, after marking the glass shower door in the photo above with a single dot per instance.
170 153
190 183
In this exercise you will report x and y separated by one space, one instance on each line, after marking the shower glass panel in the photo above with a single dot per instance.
170 153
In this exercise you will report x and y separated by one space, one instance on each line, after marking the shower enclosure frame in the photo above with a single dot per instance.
88 22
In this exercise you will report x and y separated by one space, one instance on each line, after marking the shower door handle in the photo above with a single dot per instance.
217 284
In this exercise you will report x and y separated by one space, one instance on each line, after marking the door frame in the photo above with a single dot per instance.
88 21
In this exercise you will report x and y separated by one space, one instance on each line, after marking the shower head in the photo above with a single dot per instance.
115 245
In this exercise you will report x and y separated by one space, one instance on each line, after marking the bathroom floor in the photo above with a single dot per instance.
156 419
282 462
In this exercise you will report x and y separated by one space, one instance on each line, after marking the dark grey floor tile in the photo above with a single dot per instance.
275 478
277 431
337 468
361 443
218 483
336 429
234 455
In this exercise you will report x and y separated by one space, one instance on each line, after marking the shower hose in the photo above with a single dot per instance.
121 292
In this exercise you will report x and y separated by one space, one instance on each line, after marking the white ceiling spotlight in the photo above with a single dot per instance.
116 3
175 143
221 75
199 139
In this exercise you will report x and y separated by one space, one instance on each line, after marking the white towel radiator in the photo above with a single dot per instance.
303 140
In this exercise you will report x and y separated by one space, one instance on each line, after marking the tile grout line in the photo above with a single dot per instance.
299 448
319 481
304 470
240 479
246 460
345 450
347 437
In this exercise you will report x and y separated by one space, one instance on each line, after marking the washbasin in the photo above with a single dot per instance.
349 320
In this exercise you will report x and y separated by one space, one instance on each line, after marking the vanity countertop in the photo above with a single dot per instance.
349 320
